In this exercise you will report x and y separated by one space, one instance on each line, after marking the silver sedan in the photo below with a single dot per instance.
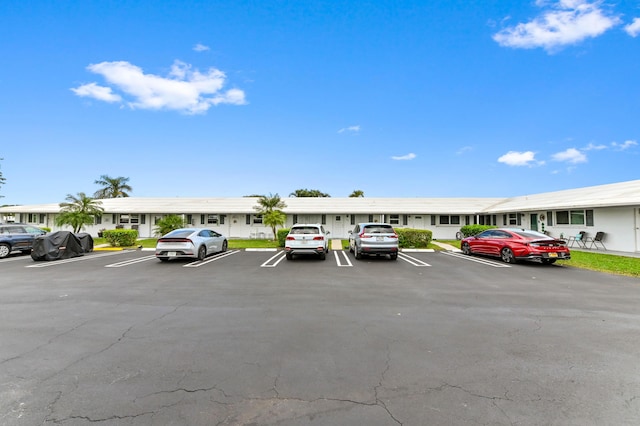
195 243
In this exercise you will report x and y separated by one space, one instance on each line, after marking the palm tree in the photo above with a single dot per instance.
270 208
2 179
112 187
358 193
78 211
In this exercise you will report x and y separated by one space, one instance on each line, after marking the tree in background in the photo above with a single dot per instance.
78 211
308 193
112 187
168 224
358 193
270 207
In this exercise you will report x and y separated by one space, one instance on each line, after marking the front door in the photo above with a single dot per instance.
534 221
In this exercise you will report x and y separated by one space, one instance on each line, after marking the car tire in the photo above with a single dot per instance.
507 255
202 252
5 251
224 245
357 253
323 256
466 248
393 256
350 248
163 259
289 256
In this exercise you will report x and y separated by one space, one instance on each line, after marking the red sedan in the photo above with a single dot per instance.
512 245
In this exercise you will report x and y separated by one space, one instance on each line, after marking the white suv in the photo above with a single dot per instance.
307 238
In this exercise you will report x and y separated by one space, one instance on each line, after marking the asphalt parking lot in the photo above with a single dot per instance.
247 338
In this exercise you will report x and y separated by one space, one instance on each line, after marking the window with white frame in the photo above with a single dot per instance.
394 219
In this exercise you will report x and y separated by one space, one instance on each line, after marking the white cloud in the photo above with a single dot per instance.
354 129
200 48
185 90
514 158
409 156
92 90
633 29
571 155
567 22
625 145
464 150
594 147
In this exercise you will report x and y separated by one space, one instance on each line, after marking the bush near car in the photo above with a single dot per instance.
414 238
282 236
121 237
471 230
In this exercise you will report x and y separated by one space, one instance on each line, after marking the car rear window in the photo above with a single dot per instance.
378 229
305 230
179 233
533 235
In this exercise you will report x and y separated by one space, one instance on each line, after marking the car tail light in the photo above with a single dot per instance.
320 238
393 236
290 238
174 240
363 235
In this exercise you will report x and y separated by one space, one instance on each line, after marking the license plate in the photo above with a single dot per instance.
553 254
379 238
171 254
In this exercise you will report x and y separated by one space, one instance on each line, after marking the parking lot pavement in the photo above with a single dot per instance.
127 340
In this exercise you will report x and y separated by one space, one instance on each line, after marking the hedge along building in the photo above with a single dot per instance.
613 209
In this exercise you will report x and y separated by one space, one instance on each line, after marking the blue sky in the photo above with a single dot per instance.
395 98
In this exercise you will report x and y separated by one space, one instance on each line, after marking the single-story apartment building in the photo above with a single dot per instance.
613 209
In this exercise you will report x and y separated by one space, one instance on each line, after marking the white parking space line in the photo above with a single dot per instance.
412 260
130 262
477 260
269 264
74 259
213 258
346 258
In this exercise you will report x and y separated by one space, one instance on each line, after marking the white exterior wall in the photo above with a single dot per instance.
617 223
620 224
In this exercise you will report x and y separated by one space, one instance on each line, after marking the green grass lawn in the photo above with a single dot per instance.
602 262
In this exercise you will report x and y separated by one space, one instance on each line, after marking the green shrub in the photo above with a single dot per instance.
282 236
45 228
168 224
470 230
121 237
417 238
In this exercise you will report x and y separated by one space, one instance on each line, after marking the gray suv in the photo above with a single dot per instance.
17 237
377 239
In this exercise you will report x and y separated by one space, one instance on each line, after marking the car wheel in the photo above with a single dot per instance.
393 256
5 250
289 256
466 248
202 252
163 259
323 256
350 248
507 255
357 253
224 245
548 261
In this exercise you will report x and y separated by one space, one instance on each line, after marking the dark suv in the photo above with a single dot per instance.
17 237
